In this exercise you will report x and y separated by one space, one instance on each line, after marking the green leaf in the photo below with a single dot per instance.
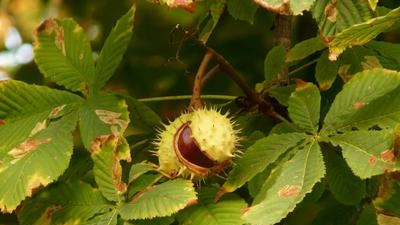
216 8
343 184
258 156
226 211
298 177
139 169
155 221
282 93
103 121
388 220
63 54
368 153
325 72
35 137
107 152
68 204
142 116
242 10
274 63
367 216
114 47
352 106
335 16
387 53
102 115
161 200
304 107
305 48
285 7
362 33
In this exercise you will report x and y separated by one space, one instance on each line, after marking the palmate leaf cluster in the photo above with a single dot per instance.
311 163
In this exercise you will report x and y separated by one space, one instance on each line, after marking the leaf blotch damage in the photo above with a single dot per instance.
35 182
358 105
48 27
372 161
289 191
2 122
331 11
99 142
118 125
26 147
283 8
389 156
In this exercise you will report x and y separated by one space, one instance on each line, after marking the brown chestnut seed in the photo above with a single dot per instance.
189 153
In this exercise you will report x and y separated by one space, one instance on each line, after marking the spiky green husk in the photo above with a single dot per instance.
213 131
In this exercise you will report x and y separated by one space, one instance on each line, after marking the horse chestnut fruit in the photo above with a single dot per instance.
196 144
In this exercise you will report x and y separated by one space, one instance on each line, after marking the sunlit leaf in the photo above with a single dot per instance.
63 54
36 138
258 156
285 7
68 204
304 107
226 211
159 201
360 34
355 105
298 177
368 153
335 16
114 48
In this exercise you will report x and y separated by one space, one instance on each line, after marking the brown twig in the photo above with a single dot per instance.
282 37
195 102
210 74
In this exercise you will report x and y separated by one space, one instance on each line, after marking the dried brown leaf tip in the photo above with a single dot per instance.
289 191
359 104
300 84
389 156
48 27
331 11
282 8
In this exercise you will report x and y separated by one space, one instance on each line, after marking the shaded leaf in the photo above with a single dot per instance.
226 211
242 10
298 177
67 203
286 7
304 107
36 138
274 63
325 72
368 153
343 184
368 216
161 200
258 156
282 93
63 54
139 169
351 106
388 197
362 33
114 48
210 21
305 48
155 221
142 116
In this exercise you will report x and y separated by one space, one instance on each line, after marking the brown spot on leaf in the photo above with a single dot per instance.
35 182
188 5
300 83
99 142
389 156
38 127
55 112
49 26
118 125
331 11
2 122
117 176
372 161
283 8
289 191
358 105
25 147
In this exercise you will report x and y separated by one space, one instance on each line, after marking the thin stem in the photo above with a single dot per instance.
303 67
282 37
210 74
195 102
186 97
